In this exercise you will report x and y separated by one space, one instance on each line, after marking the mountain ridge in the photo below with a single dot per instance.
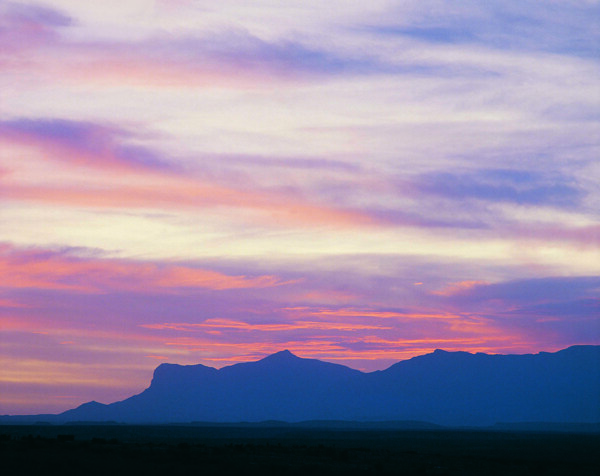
442 388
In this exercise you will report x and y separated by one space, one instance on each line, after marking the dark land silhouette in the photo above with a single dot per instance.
288 450
441 388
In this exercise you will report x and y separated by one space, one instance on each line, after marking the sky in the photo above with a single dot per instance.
359 182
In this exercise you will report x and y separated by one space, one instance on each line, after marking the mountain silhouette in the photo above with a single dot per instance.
446 388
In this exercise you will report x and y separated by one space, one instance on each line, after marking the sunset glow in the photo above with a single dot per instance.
212 182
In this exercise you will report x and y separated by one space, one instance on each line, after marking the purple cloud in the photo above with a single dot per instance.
26 26
553 289
84 142
503 185
37 15
563 28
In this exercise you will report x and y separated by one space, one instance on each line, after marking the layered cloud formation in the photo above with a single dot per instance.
209 183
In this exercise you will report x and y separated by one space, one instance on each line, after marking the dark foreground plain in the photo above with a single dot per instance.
227 450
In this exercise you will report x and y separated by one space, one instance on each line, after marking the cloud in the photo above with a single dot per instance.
555 309
422 219
566 311
61 271
583 237
224 58
317 164
560 27
221 60
140 177
217 59
81 143
459 288
552 289
156 181
25 26
234 325
430 34
273 209
504 185
345 313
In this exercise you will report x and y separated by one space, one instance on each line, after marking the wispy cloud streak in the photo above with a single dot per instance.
59 271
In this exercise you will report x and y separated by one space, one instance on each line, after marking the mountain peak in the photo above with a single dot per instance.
285 352
283 355
92 404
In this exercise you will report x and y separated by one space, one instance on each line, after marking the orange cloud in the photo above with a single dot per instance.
9 323
244 351
40 373
350 312
244 326
459 287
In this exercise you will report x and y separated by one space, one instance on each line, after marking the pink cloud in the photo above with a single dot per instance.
274 208
459 287
48 270
368 313
226 59
14 323
326 296
25 27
